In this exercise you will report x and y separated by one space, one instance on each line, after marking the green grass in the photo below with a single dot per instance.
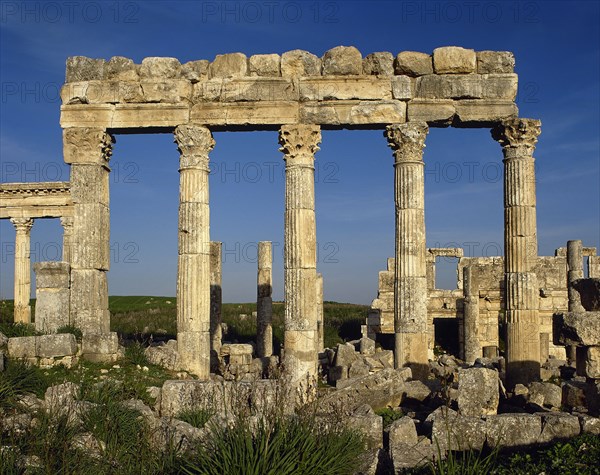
284 446
389 415
18 379
195 417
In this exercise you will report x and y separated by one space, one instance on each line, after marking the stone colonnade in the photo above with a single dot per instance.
88 151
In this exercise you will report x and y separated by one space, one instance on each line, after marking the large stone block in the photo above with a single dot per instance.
482 401
101 343
258 89
513 430
149 115
22 347
232 65
478 112
298 63
51 274
171 91
85 115
55 346
245 113
413 63
500 86
402 87
81 68
454 60
264 65
379 64
453 431
160 68
343 61
195 71
558 426
432 111
405 456
493 62
353 112
345 88
52 309
580 329
371 428
121 68
403 431
450 86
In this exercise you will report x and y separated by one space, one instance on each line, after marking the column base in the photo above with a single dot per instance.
193 350
411 350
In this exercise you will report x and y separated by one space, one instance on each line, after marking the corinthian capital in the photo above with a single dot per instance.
514 133
87 145
194 144
299 140
407 140
22 225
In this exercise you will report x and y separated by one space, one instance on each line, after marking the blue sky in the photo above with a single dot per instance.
556 45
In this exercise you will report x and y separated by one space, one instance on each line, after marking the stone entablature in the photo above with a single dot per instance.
453 85
35 200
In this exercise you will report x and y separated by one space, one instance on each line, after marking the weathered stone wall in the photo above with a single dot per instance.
551 274
52 290
451 86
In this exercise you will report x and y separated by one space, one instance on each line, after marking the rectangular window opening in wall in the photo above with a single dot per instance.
446 277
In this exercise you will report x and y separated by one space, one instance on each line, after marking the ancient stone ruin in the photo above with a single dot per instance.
299 94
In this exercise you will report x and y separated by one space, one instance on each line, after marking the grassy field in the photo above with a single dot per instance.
143 317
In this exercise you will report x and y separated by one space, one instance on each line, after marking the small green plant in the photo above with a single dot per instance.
19 378
12 330
195 417
284 446
73 330
389 415
135 353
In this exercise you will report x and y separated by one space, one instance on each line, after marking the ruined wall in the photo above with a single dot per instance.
551 274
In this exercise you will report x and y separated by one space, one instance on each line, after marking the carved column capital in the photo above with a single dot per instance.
407 140
194 144
517 133
299 141
22 225
84 145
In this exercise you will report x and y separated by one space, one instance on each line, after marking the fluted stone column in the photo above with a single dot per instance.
193 271
472 344
410 275
299 143
320 314
22 292
216 299
518 138
67 225
264 301
88 151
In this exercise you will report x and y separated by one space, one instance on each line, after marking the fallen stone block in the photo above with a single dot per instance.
482 401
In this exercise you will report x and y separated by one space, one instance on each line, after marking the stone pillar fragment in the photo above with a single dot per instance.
518 138
574 272
299 143
410 274
22 282
193 270
320 314
52 282
216 299
67 225
264 301
471 315
88 151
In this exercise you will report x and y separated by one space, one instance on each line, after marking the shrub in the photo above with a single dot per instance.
279 447
195 417
19 378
